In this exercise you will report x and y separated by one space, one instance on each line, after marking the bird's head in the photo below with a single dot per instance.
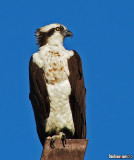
53 34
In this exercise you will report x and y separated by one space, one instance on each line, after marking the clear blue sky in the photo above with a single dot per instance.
104 37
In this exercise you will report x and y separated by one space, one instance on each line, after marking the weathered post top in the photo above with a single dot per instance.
74 150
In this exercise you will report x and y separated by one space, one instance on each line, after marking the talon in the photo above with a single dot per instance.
52 143
63 138
60 136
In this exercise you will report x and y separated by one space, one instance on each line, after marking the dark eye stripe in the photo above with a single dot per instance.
43 36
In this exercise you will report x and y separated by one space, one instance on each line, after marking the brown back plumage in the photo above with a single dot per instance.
77 97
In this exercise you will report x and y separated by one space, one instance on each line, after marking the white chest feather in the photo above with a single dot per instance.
60 112
53 60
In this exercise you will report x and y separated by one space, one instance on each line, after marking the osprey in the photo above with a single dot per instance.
57 90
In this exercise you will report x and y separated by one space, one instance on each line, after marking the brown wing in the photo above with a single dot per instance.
77 97
39 98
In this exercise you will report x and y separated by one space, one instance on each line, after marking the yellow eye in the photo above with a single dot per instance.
57 29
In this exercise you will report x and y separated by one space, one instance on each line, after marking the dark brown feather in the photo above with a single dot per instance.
42 37
77 97
39 98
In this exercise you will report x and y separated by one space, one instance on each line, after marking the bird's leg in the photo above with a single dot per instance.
52 143
53 138
61 136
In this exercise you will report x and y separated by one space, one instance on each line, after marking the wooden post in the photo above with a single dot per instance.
74 150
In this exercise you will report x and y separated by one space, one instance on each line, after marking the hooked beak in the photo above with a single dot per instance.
67 34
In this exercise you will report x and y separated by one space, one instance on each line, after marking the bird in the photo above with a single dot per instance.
57 88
